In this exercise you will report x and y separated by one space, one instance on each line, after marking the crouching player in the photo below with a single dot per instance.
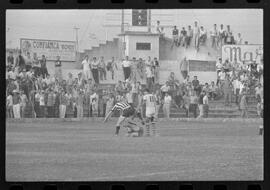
133 130
126 111
150 112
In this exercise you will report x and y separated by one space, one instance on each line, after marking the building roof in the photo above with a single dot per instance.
138 33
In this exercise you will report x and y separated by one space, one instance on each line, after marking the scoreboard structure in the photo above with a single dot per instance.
139 17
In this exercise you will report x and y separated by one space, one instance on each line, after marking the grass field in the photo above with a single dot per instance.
84 151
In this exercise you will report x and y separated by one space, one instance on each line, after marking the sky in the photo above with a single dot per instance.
97 26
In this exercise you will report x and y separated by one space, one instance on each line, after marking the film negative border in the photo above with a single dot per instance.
107 4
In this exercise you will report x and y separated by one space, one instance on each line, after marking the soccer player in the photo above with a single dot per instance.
150 112
126 111
133 130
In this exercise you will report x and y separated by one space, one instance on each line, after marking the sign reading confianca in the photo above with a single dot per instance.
50 48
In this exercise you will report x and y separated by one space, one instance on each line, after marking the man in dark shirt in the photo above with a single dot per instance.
196 85
20 62
58 68
43 67
182 38
10 60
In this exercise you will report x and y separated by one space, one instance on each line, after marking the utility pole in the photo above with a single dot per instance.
77 39
122 22
149 20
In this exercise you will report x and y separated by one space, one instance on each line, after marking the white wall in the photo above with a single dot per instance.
131 46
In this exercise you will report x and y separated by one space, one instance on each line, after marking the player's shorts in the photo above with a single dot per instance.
150 112
128 112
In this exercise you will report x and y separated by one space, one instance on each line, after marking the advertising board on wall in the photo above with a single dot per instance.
242 53
50 48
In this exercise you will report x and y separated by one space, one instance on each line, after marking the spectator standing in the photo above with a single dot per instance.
214 36
167 105
94 68
243 105
36 65
149 77
202 37
221 36
28 62
126 68
156 70
196 85
58 68
239 40
158 29
196 33
227 90
63 104
182 37
20 62
184 67
36 103
236 87
43 66
200 104
23 103
259 92
175 37
133 66
140 68
112 66
164 89
9 105
189 36
213 91
109 103
205 105
10 60
50 103
193 103
16 104
79 104
42 104
102 69
186 103
86 68
158 102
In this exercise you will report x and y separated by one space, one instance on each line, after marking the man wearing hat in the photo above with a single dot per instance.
16 104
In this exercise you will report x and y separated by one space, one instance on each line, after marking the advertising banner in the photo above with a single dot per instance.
242 53
50 48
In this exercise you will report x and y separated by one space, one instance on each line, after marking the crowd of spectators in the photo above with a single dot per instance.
29 86
218 36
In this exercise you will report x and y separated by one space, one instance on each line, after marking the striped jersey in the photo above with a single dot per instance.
120 106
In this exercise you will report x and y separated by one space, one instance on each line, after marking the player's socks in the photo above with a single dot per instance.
117 130
147 132
153 128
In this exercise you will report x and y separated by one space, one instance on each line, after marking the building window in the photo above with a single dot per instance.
143 46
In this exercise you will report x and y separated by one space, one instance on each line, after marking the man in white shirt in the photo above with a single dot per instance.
221 35
239 39
150 112
126 68
236 88
86 68
196 33
94 69
165 88
167 105
214 36
149 77
158 30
